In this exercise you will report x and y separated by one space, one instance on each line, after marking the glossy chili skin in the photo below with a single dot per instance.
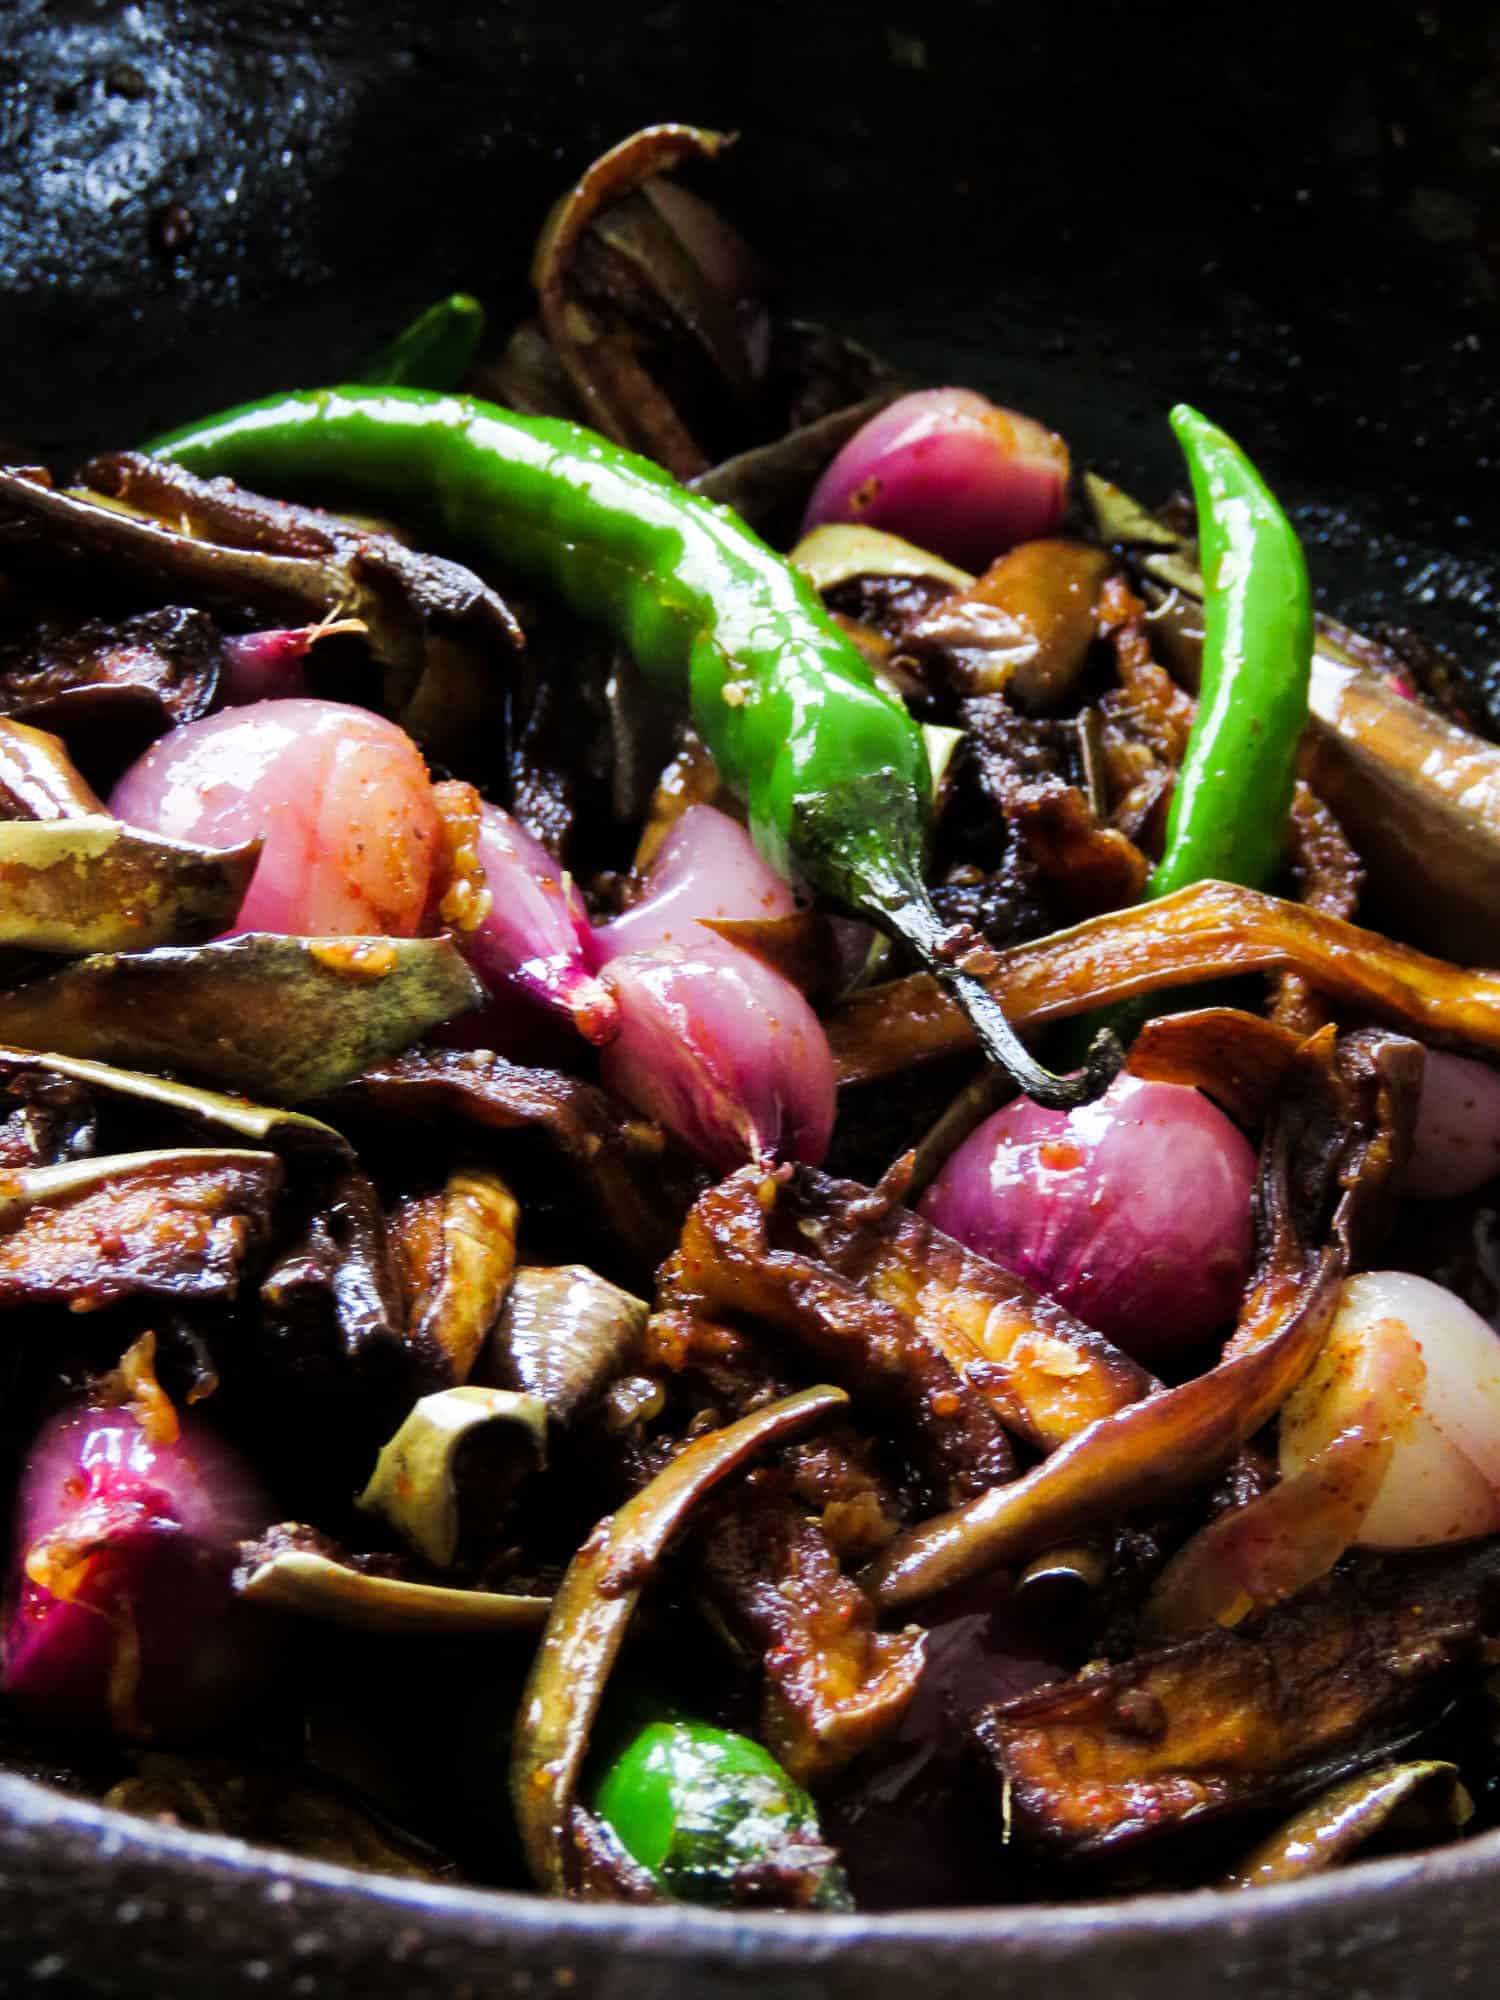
1228 815
833 769
784 701
434 349
696 1805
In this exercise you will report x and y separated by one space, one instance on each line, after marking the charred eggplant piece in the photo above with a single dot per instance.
160 529
45 1119
597 239
278 1808
457 1253
348 567
834 1685
278 1017
638 1180
726 1266
334 1293
1045 1373
113 683
1275 1709
180 1224
1024 627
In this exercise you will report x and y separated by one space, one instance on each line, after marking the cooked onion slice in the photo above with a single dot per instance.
1443 1481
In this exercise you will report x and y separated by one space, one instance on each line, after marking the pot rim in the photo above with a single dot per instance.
54 1817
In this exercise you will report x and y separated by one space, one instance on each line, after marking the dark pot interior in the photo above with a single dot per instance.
1091 210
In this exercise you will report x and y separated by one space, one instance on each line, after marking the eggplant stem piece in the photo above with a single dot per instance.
414 1485
593 1609
318 1587
987 1019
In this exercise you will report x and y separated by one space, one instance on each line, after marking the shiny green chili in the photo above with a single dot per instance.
832 768
433 350
1228 815
1227 820
698 1806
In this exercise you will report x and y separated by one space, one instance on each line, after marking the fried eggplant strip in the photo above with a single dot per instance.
1254 1556
288 1132
770 1559
457 1252
618 395
292 563
1143 1456
726 1265
1329 878
174 1224
317 1586
1274 1709
1045 1373
833 1684
37 777
1239 1060
594 1606
1209 931
334 1291
1155 1451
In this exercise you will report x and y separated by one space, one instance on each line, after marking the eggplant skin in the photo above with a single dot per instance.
1257 1715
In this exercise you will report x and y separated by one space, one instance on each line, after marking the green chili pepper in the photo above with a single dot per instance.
696 1806
1228 815
832 768
1227 820
433 350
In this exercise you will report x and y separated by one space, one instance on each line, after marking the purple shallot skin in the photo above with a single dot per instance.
121 1612
950 471
713 1042
339 796
1133 1211
536 942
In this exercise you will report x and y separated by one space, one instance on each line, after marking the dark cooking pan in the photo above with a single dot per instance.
1091 210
